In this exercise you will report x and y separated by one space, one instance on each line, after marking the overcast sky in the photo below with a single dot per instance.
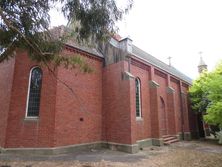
176 28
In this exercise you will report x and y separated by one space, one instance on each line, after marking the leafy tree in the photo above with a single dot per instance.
206 95
24 24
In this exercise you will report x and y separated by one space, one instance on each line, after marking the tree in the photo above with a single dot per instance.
24 24
206 95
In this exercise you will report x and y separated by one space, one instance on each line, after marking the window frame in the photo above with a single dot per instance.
27 99
140 101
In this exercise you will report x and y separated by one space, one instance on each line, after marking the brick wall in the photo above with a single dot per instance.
78 117
172 103
177 105
100 108
185 111
6 79
65 118
23 132
162 104
143 126
117 125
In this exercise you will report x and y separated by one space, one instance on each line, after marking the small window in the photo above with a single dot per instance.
34 90
138 98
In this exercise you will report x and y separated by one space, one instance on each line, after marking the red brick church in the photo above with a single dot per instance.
129 101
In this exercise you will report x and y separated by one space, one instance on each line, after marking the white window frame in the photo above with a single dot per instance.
27 99
140 109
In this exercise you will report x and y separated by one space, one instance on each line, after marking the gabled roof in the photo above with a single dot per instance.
154 61
59 31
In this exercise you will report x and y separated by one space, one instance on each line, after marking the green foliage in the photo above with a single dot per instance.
96 18
198 95
19 23
24 24
214 113
206 95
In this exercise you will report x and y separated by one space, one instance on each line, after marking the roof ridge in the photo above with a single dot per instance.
152 56
160 64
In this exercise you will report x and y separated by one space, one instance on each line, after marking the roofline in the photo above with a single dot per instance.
159 68
125 39
90 53
138 57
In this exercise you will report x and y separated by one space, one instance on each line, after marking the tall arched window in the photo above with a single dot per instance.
138 98
34 90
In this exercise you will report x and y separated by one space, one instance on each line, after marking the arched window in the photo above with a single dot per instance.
34 90
162 102
163 121
138 98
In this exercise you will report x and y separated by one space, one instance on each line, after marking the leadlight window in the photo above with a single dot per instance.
34 90
138 98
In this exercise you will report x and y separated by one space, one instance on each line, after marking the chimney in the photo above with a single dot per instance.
126 44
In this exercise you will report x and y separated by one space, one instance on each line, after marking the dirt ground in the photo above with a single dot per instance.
181 154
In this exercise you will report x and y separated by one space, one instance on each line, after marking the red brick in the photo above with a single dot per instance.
100 108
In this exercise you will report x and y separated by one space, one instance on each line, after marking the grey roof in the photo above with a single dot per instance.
60 31
85 49
154 61
141 54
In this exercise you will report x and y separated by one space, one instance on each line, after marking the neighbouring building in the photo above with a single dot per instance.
129 101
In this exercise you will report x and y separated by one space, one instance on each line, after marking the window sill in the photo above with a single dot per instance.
31 119
139 119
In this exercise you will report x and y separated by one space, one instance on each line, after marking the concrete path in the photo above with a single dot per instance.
116 156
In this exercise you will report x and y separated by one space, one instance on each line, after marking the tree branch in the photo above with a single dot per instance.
31 44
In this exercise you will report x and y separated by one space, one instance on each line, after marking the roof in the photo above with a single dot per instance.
58 31
90 50
154 61
143 55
